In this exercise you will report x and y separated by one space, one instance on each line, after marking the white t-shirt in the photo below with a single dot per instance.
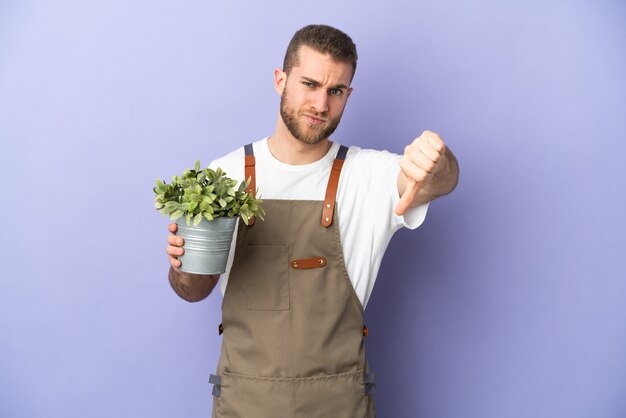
366 199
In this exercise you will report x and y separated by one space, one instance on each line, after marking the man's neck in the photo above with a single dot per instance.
289 150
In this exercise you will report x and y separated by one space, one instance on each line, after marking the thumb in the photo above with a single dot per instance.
407 197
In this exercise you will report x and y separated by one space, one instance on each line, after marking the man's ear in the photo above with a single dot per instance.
280 78
349 91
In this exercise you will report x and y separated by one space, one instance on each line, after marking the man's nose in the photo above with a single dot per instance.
320 101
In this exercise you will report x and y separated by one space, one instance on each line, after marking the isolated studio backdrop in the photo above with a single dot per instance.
509 301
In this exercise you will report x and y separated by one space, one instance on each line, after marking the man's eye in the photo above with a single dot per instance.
307 83
336 92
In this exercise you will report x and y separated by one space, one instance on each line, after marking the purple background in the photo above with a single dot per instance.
510 301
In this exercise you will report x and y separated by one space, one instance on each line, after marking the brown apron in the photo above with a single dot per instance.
291 321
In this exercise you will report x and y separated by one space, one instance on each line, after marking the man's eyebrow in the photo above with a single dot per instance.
317 83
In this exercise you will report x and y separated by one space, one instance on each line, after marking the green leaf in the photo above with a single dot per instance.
197 219
197 165
222 202
207 216
177 214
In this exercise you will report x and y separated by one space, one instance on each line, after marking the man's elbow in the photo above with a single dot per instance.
191 297
200 291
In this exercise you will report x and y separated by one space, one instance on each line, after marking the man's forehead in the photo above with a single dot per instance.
315 64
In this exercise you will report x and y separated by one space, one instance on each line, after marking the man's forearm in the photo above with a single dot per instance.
192 287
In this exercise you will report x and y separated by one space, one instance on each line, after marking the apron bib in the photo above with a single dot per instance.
292 323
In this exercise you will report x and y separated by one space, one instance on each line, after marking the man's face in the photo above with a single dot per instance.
314 95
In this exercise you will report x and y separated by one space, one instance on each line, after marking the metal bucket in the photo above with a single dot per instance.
206 245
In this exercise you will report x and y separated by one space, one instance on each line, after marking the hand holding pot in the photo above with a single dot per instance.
175 247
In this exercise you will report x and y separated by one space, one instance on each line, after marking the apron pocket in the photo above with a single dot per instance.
254 397
265 277
338 395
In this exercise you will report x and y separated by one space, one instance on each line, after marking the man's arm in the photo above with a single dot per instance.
191 287
428 170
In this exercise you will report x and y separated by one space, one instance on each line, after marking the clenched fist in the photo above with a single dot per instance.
421 166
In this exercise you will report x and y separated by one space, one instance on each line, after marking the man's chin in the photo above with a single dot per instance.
311 135
309 140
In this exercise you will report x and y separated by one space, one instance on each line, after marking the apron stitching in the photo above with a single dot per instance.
303 379
293 399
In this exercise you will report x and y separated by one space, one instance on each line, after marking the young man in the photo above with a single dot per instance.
297 283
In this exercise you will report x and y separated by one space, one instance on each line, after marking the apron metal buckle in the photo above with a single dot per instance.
369 379
216 381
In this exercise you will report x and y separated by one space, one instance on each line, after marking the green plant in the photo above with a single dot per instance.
206 194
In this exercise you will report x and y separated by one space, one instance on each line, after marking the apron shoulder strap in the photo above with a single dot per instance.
331 190
250 173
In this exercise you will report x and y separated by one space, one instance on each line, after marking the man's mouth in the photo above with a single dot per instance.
314 120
